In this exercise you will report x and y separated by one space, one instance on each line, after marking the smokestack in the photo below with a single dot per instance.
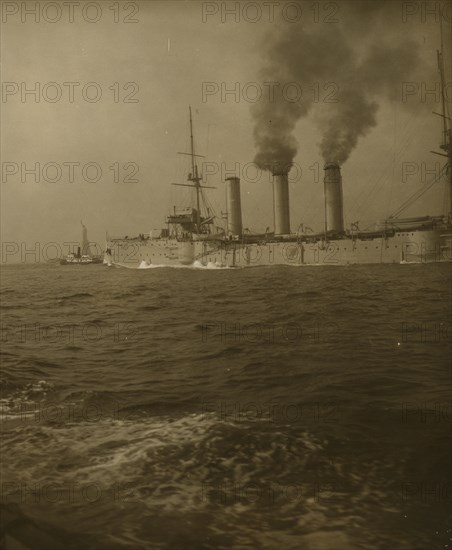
333 198
234 206
281 203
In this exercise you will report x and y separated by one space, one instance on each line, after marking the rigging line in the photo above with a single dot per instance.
212 211
394 142
360 205
447 112
408 136
450 59
440 55
445 196
411 200
368 193
206 202
406 139
418 194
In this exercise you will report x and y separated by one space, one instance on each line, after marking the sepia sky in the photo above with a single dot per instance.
172 49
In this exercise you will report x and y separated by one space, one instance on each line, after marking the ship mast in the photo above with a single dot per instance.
195 177
446 145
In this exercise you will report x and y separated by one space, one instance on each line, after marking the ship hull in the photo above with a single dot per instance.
94 261
421 246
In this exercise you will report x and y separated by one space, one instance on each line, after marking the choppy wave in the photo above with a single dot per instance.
158 408
198 466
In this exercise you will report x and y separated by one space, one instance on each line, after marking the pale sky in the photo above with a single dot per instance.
169 53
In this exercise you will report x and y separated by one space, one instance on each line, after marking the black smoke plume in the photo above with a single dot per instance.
364 57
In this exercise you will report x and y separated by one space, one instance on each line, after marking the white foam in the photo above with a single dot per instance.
145 265
210 265
196 265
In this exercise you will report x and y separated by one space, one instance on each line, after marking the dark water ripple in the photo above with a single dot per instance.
256 408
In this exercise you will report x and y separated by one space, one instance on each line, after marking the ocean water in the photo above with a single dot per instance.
184 408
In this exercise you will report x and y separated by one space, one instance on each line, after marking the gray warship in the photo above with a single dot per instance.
193 238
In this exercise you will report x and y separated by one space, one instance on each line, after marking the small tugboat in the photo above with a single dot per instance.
83 255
